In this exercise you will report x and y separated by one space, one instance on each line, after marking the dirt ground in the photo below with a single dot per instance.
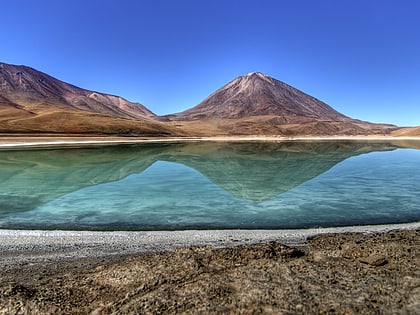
348 273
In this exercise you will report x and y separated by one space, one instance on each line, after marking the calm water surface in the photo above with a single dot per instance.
210 186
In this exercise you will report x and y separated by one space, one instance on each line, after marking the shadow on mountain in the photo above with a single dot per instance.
251 171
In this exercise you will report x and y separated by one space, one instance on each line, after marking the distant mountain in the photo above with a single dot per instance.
258 104
32 101
256 94
253 104
19 83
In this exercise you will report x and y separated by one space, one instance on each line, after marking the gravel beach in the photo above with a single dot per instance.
349 270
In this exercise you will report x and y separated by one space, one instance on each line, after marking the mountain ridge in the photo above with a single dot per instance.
35 102
18 82
253 104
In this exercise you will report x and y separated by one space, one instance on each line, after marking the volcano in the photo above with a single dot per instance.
258 104
256 94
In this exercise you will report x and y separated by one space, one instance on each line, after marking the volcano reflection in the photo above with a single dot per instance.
254 172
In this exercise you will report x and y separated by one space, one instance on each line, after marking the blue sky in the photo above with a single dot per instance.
362 57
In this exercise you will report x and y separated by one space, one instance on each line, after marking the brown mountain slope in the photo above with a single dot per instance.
10 110
260 105
407 132
254 104
21 83
34 102
256 94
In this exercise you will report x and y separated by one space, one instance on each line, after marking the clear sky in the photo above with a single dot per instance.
362 57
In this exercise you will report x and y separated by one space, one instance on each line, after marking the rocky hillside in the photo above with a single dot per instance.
34 102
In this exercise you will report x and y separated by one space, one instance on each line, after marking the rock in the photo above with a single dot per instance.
318 256
374 260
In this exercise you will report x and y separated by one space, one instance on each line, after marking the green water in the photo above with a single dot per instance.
209 186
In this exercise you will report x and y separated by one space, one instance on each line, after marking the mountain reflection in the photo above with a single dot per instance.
30 178
251 171
260 171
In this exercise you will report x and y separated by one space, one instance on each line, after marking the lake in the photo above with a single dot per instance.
206 185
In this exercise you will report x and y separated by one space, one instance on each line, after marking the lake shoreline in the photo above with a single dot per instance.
91 271
7 141
33 246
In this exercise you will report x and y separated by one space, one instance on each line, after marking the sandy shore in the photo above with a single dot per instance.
31 247
40 141
349 270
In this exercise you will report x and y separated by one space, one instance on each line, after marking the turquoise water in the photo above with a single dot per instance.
210 186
